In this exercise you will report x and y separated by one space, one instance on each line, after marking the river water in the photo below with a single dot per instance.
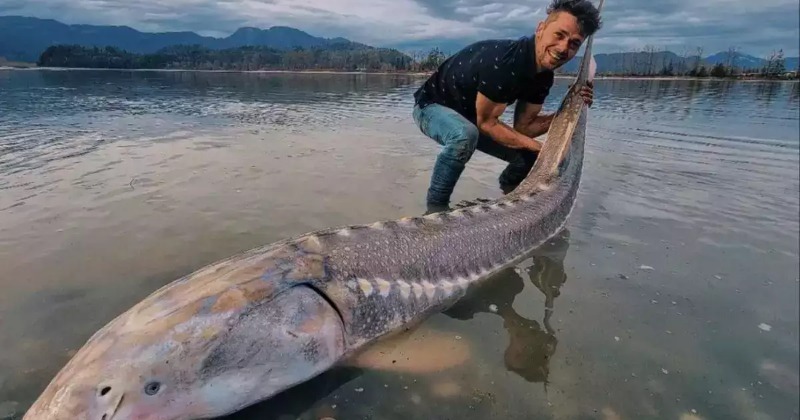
674 288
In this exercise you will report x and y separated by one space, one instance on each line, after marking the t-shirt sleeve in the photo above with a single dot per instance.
537 91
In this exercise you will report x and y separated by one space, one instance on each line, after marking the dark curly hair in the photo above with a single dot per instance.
587 14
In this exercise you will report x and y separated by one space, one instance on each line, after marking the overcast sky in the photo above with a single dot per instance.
755 27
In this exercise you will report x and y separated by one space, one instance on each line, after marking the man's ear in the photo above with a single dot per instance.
539 28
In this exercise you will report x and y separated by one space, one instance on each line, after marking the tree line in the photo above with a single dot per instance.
339 57
648 61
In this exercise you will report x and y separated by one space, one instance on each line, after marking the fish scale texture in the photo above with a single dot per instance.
386 275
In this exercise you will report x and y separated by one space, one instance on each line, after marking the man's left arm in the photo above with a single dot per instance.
529 121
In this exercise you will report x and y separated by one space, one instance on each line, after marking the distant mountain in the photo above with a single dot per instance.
422 47
661 61
736 60
340 57
278 37
636 63
627 62
745 61
25 38
611 62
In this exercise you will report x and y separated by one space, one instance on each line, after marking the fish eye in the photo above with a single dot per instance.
152 388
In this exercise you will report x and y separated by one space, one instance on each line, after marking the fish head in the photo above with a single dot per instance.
193 361
123 375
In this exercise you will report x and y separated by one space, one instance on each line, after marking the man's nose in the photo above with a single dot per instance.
563 46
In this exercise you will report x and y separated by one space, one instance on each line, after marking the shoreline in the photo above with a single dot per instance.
688 78
320 71
403 73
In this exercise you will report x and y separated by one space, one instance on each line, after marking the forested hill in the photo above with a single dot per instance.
24 38
337 57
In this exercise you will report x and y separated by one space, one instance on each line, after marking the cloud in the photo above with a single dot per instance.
753 27
679 25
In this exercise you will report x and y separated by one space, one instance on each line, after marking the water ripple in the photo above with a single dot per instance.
112 183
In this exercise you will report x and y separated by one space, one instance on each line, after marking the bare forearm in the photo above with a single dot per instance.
506 135
539 126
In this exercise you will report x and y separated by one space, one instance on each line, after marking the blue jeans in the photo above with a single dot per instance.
460 138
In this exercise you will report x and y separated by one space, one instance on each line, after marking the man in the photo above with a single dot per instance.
460 105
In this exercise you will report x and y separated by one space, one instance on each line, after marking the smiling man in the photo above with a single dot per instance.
460 105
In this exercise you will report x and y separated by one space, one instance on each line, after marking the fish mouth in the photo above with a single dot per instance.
109 415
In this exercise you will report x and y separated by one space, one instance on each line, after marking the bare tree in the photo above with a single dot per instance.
684 60
776 64
699 60
731 57
637 62
650 54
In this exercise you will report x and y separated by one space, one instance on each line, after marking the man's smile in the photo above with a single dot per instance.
556 56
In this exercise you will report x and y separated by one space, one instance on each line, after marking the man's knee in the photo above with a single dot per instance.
463 140
458 135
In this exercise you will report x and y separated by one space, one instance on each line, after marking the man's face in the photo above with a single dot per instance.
558 39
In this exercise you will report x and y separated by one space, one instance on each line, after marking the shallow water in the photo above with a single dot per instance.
673 288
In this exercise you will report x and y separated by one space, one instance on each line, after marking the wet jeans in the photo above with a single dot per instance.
460 138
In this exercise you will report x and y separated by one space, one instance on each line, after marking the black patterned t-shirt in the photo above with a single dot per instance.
503 70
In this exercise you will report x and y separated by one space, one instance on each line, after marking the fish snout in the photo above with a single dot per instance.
108 401
70 402
64 402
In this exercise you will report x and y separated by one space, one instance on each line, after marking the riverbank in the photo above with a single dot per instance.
738 79
31 66
315 71
4 64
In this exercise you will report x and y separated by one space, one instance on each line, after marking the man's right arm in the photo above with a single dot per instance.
488 122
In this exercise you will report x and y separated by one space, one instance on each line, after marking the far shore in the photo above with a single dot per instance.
33 67
316 71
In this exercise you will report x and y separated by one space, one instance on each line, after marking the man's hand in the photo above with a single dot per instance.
587 93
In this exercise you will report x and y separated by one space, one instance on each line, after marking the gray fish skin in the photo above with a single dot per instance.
243 329
391 274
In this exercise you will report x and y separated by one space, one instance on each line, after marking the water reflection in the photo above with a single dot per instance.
768 91
680 99
244 86
531 343
295 402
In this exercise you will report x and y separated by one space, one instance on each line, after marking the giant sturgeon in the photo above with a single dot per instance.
243 329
